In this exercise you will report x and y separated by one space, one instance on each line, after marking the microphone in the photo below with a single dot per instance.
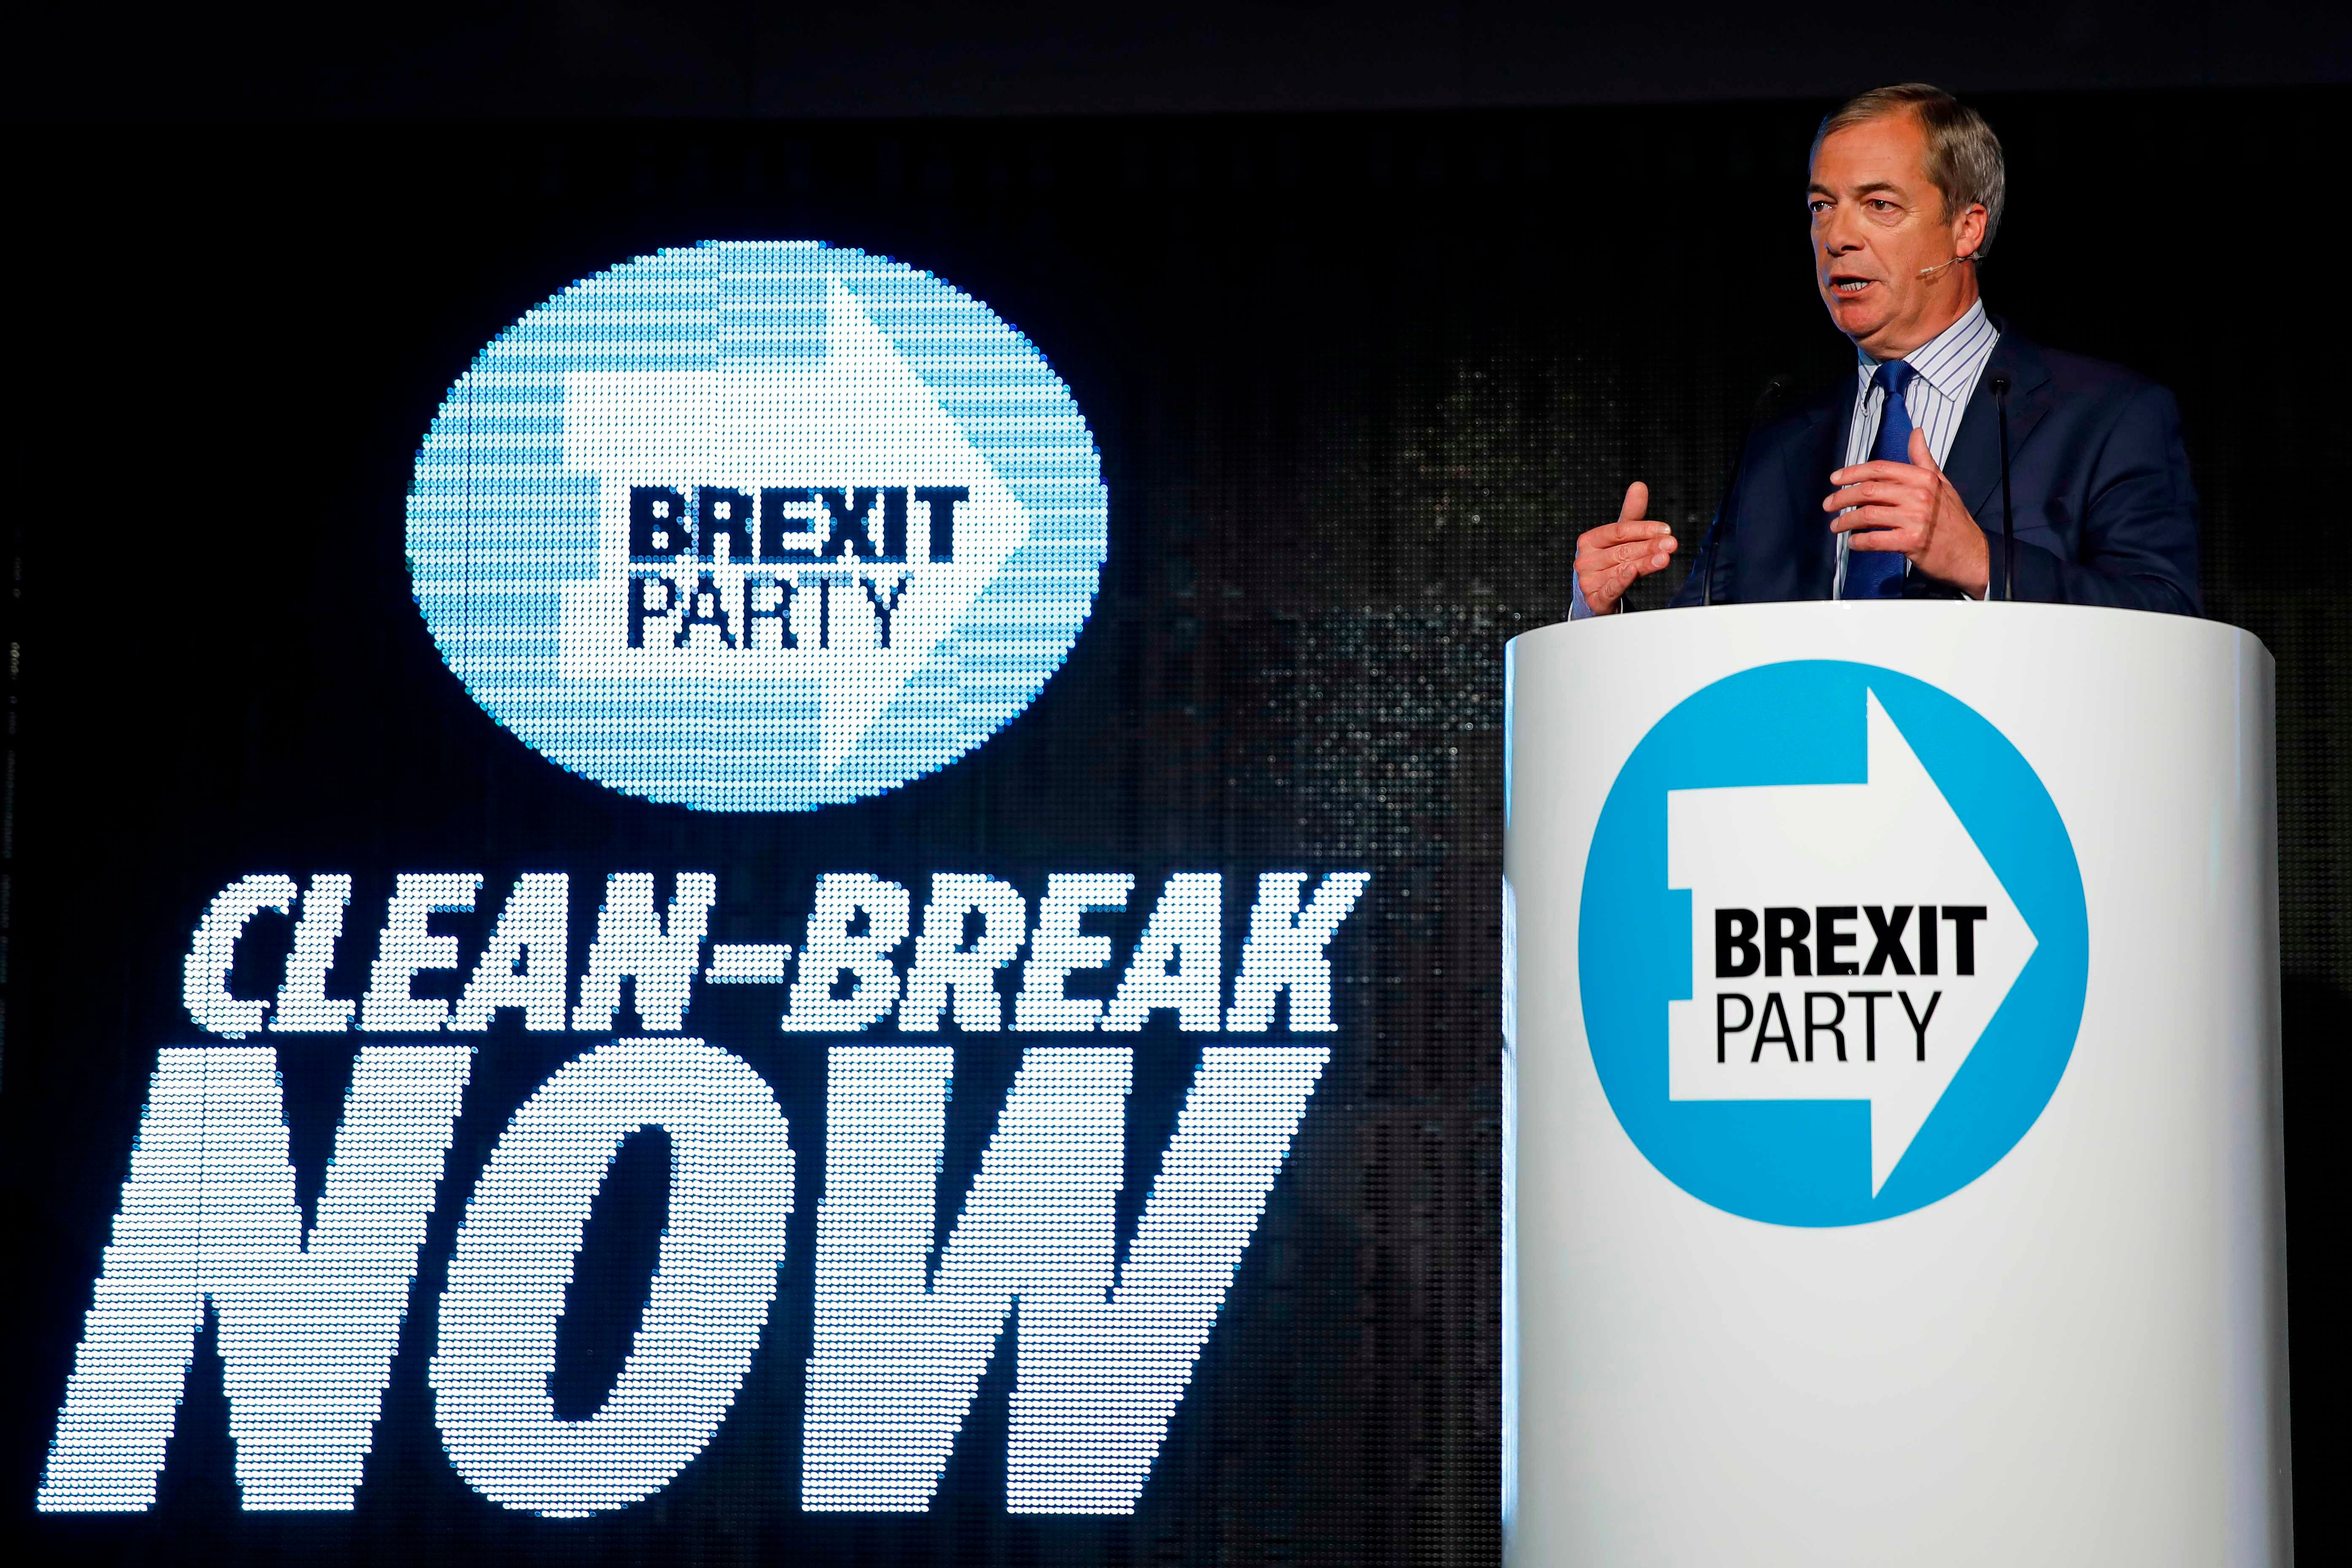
1944 266
1726 515
1999 383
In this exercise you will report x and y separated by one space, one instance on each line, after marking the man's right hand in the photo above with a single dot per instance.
1611 557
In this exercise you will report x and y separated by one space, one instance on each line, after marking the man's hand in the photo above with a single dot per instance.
1609 558
1911 509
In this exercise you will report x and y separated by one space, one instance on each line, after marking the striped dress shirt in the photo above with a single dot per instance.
1949 365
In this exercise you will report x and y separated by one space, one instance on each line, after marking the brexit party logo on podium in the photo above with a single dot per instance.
1834 946
757 526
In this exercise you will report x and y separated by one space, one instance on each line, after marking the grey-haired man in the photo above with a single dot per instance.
1888 485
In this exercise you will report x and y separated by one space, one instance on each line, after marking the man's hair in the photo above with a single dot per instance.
1963 154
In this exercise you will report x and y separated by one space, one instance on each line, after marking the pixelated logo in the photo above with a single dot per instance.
757 526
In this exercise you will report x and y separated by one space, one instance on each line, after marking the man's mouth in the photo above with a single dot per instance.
1850 285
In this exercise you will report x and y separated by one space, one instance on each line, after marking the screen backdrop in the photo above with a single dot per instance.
1298 418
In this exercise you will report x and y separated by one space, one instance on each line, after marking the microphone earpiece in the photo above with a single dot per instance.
1942 266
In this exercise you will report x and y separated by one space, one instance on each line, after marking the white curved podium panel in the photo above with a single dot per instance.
1893 1151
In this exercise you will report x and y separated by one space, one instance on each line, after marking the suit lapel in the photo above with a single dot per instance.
1784 549
1974 463
1821 453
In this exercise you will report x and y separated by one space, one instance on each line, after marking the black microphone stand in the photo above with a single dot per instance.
1726 520
2008 517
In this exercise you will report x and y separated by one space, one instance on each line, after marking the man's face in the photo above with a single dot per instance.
1882 240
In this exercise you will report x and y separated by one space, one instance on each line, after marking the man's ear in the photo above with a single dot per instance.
1971 232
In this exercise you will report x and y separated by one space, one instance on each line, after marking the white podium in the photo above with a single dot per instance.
1892 1160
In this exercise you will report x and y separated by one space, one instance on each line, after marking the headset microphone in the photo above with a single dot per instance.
1944 266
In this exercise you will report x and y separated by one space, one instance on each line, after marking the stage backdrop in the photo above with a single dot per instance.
823 802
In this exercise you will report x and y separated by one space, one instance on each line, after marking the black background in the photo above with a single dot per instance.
1356 378
904 59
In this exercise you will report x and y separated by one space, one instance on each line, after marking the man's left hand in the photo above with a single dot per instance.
1911 509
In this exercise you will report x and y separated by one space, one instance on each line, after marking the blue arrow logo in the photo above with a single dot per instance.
1833 944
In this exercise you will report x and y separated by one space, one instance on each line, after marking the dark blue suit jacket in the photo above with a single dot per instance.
2105 514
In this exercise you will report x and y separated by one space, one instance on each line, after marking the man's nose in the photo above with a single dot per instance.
1836 235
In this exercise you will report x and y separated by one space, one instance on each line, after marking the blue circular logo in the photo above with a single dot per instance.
757 526
1833 944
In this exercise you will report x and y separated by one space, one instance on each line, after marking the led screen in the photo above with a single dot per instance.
733 527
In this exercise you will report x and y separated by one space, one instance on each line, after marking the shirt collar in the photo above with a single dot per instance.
1941 358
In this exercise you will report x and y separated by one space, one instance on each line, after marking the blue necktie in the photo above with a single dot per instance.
1878 573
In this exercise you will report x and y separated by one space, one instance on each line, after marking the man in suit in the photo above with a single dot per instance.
1889 485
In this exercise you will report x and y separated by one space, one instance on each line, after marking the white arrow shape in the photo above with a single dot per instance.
859 415
1889 842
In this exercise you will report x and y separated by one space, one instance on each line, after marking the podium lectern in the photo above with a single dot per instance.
1892 1160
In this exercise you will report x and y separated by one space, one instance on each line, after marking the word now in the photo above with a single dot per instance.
792 524
1809 942
311 1317
863 958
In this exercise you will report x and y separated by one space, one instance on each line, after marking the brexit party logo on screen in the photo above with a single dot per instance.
757 526
1834 946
